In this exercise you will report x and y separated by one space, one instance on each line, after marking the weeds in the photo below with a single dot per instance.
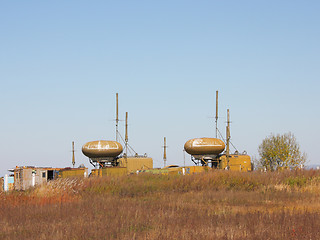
213 205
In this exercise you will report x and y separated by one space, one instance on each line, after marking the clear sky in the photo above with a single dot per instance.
62 62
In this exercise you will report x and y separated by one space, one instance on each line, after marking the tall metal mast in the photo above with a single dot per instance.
126 137
117 118
216 114
228 138
73 158
165 152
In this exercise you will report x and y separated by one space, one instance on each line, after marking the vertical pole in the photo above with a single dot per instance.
126 138
73 158
33 183
5 183
165 152
216 114
117 118
228 138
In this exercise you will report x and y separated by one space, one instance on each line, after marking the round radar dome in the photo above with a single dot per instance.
204 146
102 149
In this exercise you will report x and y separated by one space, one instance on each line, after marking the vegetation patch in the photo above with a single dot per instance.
212 205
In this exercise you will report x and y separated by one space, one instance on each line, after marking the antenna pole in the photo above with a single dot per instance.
228 138
126 137
117 118
216 114
73 158
165 152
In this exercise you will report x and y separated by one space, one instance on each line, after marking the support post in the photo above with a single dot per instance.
33 183
5 183
73 157
165 152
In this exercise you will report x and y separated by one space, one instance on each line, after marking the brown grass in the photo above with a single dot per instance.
214 205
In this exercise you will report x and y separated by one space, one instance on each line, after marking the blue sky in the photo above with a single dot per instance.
62 63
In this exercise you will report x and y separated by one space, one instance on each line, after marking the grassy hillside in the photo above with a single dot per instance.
213 205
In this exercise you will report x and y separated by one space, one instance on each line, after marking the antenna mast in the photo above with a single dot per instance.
73 158
216 114
117 118
165 152
126 137
228 138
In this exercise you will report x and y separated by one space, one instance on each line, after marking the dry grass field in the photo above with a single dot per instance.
213 205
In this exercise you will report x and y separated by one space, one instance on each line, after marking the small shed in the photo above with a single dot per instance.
30 176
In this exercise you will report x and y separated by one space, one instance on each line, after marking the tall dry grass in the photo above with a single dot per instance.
213 205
